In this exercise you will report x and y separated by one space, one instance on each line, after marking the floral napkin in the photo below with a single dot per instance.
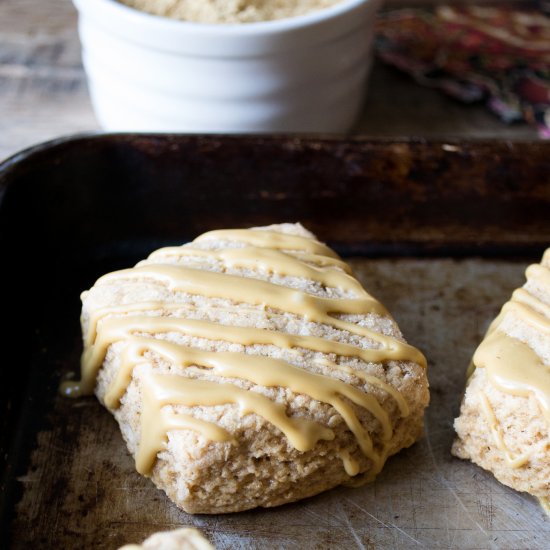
498 55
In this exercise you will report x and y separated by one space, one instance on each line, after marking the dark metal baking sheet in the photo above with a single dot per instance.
441 231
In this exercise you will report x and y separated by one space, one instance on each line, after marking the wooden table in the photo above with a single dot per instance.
43 90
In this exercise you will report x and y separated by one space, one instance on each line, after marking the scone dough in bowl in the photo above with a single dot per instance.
250 368
504 422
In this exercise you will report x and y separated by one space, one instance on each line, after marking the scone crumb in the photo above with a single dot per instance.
186 538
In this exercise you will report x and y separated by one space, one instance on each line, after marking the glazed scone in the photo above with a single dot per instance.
504 422
250 368
186 538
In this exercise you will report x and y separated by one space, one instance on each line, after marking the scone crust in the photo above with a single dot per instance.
524 430
521 457
262 468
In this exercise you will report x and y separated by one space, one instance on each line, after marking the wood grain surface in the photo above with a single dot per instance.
43 90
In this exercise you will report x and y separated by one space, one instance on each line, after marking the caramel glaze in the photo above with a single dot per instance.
512 366
264 252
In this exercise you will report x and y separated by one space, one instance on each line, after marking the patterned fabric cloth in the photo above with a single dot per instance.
497 55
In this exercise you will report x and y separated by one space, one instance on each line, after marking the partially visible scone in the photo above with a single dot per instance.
186 538
250 368
504 422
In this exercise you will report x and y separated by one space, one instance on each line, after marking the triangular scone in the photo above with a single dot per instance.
250 368
504 422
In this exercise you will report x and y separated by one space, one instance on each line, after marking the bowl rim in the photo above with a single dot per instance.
317 16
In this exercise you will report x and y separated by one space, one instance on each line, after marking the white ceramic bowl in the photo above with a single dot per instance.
302 74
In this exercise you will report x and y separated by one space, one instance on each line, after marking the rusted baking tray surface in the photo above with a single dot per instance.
440 232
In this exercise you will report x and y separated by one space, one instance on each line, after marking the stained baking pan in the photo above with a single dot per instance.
440 232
